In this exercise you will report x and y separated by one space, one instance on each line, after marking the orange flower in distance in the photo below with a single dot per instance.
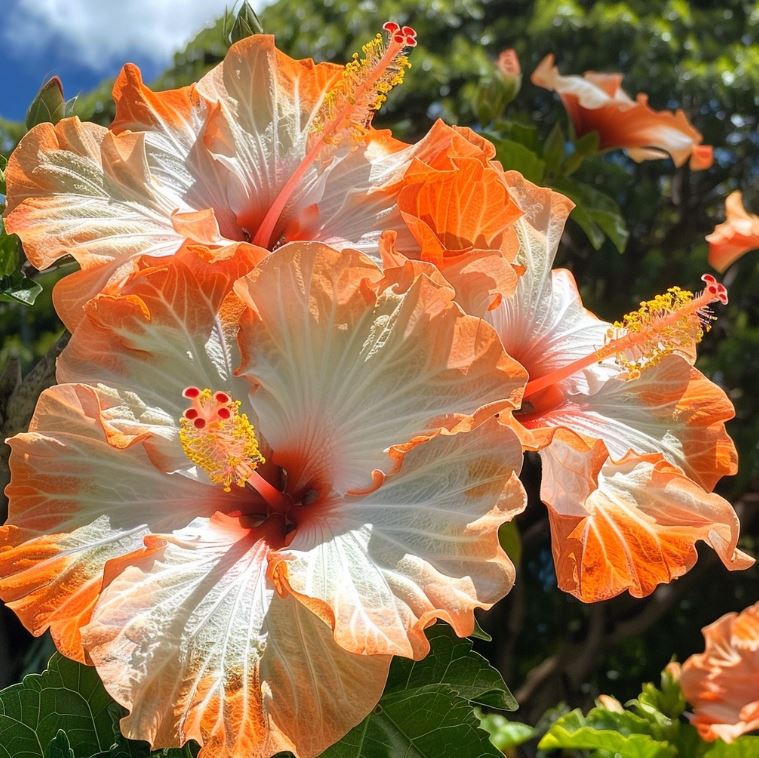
735 236
254 487
722 683
597 103
508 64
631 436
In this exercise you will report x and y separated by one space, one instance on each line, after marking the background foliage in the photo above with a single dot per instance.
555 652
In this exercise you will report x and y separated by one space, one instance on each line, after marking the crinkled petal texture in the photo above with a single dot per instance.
208 614
382 567
722 683
349 380
347 367
597 102
202 164
625 461
628 525
194 640
735 236
88 478
458 217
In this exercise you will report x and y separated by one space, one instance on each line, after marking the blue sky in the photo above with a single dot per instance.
84 41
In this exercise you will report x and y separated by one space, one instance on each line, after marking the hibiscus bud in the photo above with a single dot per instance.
48 105
495 92
610 703
673 670
246 23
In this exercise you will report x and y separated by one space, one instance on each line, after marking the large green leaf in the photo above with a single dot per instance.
623 733
67 696
426 709
65 712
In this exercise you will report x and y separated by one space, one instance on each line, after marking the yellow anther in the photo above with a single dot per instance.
672 322
362 89
216 437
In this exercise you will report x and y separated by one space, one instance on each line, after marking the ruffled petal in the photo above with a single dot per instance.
173 325
735 236
197 644
424 545
722 683
344 365
259 131
670 409
173 123
75 188
79 504
596 102
628 525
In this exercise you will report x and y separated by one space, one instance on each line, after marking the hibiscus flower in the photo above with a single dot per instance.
722 683
735 236
597 103
263 150
252 489
631 436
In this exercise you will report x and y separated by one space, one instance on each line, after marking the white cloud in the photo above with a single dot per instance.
101 33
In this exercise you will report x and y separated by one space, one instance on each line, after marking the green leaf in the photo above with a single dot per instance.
479 633
453 663
587 144
245 23
67 709
48 104
18 288
623 733
59 747
426 707
596 213
506 734
511 542
743 747
514 155
553 150
10 252
67 696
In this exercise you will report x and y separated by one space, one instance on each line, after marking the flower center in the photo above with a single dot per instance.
672 322
218 438
347 110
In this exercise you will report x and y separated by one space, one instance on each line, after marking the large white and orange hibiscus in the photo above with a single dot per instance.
263 150
631 436
252 488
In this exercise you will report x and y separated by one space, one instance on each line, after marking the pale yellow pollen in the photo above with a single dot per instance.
362 89
218 438
675 321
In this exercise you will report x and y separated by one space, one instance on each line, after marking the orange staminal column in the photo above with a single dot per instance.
674 321
347 109
218 438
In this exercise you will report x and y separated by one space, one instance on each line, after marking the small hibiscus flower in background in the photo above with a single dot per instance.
597 103
253 488
735 236
631 436
722 683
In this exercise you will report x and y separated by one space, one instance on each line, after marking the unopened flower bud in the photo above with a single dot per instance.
48 105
